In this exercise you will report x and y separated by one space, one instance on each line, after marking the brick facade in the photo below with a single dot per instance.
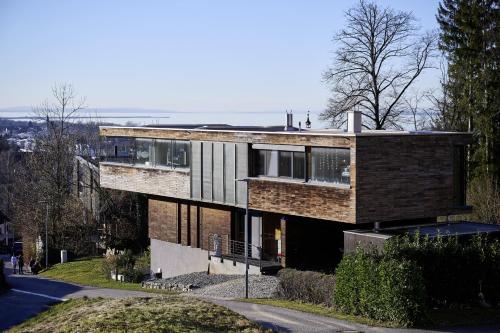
163 182
323 202
410 178
177 222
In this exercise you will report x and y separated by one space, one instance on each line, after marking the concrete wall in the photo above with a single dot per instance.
175 259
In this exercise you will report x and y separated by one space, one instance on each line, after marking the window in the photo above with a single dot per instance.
285 164
150 152
180 157
144 153
274 163
299 165
163 152
459 176
330 165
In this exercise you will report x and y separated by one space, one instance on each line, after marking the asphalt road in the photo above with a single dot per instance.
31 294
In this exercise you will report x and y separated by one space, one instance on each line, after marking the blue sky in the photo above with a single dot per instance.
177 55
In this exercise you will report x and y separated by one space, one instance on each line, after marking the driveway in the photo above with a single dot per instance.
32 294
285 320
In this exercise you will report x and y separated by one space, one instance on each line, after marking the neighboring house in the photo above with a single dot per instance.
86 185
304 189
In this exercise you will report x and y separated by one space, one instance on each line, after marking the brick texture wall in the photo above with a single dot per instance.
170 219
170 183
405 177
323 202
214 221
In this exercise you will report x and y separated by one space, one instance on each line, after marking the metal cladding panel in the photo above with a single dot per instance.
241 173
207 163
229 172
218 172
196 168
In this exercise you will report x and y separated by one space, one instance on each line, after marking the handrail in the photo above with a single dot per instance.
222 245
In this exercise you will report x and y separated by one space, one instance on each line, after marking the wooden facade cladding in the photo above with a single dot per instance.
133 178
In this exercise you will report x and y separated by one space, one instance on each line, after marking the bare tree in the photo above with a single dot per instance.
418 113
379 56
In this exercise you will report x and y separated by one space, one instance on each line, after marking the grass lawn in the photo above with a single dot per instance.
89 272
438 317
156 314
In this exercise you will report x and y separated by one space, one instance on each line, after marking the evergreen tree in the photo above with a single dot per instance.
470 35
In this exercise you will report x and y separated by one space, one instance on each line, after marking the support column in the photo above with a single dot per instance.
283 241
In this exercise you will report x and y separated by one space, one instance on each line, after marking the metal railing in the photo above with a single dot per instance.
222 246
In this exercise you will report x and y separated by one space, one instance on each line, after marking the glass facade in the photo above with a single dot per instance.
144 151
330 165
285 164
151 152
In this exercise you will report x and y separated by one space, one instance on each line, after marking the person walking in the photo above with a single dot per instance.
13 261
20 263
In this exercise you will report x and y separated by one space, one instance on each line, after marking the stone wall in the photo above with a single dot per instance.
163 182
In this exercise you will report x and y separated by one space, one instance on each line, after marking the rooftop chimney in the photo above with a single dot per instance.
354 121
289 121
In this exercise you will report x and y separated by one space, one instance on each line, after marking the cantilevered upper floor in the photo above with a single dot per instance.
353 177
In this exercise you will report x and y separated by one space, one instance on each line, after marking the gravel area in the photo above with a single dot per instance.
258 287
196 280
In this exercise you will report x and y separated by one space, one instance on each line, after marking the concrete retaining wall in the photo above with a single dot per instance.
175 259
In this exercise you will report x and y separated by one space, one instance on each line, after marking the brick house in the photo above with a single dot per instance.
304 188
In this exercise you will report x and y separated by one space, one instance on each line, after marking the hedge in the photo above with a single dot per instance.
306 286
454 271
380 288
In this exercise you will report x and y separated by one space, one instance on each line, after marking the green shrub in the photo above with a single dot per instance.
306 286
380 288
454 271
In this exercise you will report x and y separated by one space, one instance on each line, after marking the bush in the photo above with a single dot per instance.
125 264
454 271
306 286
380 288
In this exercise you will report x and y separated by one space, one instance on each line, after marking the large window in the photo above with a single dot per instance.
152 152
331 165
273 163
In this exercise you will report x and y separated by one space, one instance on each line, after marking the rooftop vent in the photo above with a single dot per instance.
354 122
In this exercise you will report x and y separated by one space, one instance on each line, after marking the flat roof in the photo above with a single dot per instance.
280 130
462 228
